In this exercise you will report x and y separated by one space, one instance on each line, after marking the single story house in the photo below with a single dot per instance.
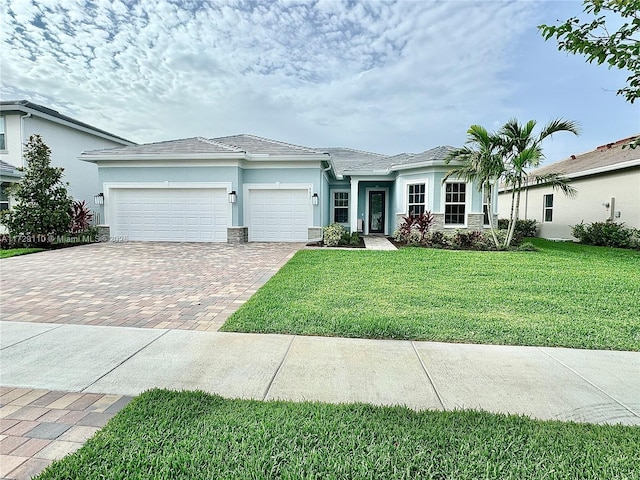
608 184
246 188
65 136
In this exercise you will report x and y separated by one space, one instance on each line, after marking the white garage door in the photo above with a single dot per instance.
170 214
278 215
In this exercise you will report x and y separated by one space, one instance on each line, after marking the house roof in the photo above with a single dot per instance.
235 146
343 160
25 106
8 170
608 157
183 146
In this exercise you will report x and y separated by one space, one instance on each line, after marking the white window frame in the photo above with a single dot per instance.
467 203
546 208
333 205
407 187
3 134
6 202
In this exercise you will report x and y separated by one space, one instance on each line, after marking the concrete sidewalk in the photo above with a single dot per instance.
544 383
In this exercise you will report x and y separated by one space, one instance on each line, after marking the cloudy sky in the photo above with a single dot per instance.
383 76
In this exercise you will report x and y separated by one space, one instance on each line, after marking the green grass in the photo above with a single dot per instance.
13 252
566 295
167 435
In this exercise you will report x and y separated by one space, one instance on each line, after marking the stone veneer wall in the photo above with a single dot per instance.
104 233
237 234
475 221
314 233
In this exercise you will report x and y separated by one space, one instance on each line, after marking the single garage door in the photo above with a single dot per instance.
170 214
278 215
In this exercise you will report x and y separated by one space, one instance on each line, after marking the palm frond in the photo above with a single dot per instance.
557 182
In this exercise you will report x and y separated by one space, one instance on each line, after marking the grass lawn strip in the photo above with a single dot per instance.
165 435
14 252
565 295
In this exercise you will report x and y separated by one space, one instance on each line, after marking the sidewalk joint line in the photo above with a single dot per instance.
123 361
424 368
273 378
590 382
55 326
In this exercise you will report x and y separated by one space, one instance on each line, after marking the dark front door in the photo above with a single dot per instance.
376 211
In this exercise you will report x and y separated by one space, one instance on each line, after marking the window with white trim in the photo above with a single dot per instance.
548 208
340 207
3 142
455 203
4 196
416 201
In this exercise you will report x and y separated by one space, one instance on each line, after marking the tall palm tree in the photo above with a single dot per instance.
521 150
479 161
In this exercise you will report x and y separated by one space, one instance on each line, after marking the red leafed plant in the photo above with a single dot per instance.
80 217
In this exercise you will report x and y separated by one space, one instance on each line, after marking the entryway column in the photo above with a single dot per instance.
353 206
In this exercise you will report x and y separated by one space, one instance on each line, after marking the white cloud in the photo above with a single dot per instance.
385 76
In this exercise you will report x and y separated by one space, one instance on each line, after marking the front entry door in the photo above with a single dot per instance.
376 211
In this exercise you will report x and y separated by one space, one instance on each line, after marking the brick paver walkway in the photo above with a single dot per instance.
40 426
149 285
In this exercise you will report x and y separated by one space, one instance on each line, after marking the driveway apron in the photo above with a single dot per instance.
192 286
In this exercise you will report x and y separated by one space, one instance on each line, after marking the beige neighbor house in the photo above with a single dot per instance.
608 184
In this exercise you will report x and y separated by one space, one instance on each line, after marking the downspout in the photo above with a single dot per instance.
22 139
322 172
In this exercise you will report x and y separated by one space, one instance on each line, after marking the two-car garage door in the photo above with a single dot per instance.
170 214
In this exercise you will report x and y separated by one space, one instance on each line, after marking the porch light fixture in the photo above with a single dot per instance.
314 199
98 199
233 196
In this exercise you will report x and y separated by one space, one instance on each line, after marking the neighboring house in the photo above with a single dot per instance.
608 184
65 136
246 188
8 176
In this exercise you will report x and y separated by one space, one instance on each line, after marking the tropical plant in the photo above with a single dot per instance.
412 230
521 150
42 208
80 217
606 234
480 161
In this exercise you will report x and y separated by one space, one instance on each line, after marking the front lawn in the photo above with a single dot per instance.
13 252
566 295
167 435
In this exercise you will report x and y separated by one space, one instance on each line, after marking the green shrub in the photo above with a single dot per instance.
606 234
354 240
332 234
524 228
474 240
527 247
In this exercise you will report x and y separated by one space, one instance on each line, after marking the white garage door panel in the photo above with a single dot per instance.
170 214
279 215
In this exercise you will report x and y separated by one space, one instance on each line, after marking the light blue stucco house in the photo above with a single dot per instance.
247 188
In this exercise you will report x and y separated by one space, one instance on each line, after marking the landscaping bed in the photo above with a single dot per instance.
165 435
566 294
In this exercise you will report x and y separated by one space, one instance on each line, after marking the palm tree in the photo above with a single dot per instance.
481 162
521 150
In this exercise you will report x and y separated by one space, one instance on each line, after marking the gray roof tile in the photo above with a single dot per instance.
253 144
184 146
603 156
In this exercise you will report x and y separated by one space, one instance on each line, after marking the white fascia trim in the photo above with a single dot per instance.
37 113
265 157
274 165
150 158
411 166
364 175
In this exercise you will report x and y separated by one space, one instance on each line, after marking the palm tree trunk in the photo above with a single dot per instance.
490 212
513 203
512 226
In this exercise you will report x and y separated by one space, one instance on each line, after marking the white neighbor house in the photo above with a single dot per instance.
65 136
608 184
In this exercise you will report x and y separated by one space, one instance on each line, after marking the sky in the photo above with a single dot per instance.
381 76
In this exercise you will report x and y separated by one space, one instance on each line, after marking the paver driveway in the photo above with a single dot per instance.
191 286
